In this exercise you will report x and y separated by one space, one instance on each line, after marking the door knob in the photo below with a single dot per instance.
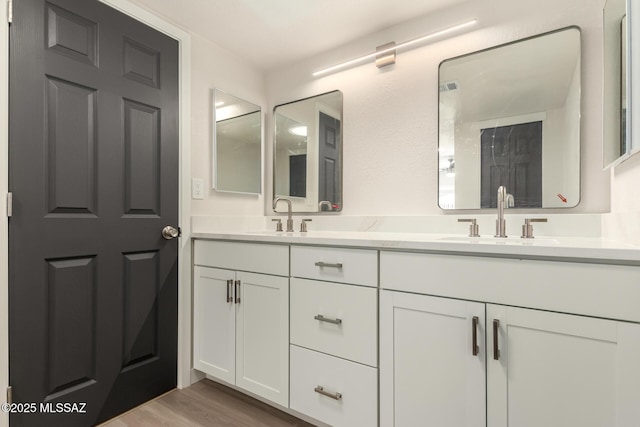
170 232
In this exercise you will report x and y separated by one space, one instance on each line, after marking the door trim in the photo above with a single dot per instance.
184 213
4 223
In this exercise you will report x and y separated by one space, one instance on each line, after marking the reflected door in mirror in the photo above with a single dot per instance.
512 156
298 175
329 149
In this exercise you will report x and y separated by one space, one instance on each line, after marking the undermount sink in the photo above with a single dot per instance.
267 232
501 241
274 233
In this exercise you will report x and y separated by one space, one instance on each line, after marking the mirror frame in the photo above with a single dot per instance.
214 144
508 119
613 82
341 153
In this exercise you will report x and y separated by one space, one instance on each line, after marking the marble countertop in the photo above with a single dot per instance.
580 249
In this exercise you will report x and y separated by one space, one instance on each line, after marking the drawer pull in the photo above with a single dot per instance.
474 344
337 265
321 318
335 396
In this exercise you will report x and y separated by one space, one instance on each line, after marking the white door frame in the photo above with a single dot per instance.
184 215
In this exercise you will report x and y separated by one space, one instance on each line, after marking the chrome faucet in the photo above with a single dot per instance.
325 203
289 217
505 200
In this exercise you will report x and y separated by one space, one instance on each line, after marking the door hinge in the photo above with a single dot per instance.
9 395
10 11
9 204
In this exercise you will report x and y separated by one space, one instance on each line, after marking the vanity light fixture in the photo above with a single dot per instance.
384 52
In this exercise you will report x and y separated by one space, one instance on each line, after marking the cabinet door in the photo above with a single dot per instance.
262 333
214 323
429 374
558 370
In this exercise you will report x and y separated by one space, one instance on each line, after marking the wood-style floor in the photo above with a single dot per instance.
205 404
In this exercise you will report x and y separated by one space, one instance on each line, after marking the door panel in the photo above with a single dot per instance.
94 174
429 374
573 367
262 334
214 323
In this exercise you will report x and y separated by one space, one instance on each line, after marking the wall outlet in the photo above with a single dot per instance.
197 188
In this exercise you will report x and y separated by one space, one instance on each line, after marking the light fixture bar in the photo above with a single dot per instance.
394 48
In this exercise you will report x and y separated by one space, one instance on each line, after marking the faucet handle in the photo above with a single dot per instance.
278 222
303 225
527 228
474 230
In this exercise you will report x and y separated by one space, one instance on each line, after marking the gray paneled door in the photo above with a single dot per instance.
329 152
94 176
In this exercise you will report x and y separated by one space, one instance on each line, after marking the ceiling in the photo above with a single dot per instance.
268 33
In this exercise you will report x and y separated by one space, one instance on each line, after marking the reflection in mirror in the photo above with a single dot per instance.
615 141
308 153
510 116
237 146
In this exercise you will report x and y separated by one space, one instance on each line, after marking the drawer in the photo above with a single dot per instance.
357 385
253 257
356 266
348 328
600 290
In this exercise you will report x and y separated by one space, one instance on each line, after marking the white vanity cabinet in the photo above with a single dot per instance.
540 367
334 306
240 315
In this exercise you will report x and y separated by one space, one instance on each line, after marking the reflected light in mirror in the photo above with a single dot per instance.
298 130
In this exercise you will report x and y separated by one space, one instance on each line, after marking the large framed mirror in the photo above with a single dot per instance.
616 141
307 155
510 116
237 144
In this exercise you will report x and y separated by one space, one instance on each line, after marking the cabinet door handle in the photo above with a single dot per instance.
321 318
496 350
335 396
337 265
229 285
237 291
474 343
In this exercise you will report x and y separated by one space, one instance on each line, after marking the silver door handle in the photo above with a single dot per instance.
496 330
229 286
170 232
335 396
321 264
237 282
321 318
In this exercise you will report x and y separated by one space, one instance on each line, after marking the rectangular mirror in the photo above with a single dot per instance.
510 116
308 153
237 145
616 145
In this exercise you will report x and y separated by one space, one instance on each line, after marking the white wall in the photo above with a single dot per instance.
391 114
215 67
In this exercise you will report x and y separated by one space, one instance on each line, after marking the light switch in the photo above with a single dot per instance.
197 188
